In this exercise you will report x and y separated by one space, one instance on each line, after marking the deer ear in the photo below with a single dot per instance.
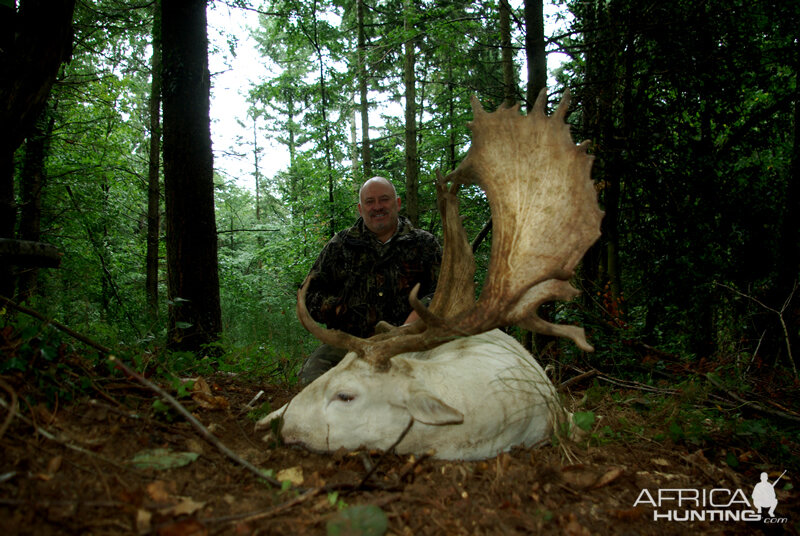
428 409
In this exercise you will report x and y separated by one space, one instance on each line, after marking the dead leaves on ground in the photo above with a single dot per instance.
167 513
201 393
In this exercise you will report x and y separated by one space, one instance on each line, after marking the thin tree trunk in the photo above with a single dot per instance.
535 49
32 183
509 85
366 153
153 187
193 278
412 181
256 174
789 270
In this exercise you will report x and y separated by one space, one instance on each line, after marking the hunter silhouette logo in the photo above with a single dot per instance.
717 504
764 494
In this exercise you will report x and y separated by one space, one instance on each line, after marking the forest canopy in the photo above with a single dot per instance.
691 109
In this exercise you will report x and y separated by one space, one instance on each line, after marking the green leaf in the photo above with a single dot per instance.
359 520
584 420
160 407
160 459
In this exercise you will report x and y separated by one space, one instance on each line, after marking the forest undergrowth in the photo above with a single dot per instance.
74 408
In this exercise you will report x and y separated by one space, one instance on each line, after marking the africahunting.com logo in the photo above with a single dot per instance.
718 504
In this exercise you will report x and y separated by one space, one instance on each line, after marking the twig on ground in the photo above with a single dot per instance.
412 467
275 510
61 441
579 378
201 429
751 404
383 455
12 409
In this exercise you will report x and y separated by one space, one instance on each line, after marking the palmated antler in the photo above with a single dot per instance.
545 216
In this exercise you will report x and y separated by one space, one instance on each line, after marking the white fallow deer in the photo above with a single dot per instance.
466 389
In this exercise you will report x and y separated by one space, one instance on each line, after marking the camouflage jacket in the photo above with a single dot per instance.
369 281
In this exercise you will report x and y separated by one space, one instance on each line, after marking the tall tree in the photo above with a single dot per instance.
153 172
535 49
36 41
410 80
193 279
507 55
363 74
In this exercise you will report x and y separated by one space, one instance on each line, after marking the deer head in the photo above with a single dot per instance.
545 216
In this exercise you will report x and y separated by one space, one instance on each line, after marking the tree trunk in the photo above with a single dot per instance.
153 188
31 184
535 49
38 39
412 171
366 153
193 279
509 84
256 173
789 266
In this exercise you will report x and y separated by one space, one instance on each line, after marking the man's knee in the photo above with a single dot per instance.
321 360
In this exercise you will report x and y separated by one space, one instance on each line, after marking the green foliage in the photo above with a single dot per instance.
690 110
363 520
584 420
56 370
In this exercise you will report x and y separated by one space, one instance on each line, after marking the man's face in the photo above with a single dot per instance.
379 207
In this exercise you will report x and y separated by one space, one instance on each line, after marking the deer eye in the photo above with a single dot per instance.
345 397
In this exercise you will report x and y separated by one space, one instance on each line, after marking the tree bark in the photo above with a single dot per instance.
36 41
535 50
509 84
366 153
412 166
193 279
31 184
153 187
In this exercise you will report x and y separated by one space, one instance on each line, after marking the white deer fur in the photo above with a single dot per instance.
470 398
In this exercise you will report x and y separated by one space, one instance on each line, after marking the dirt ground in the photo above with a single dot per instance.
83 479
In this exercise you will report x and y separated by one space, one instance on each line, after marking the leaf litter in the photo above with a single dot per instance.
135 474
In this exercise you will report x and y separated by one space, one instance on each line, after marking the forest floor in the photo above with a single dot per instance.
86 468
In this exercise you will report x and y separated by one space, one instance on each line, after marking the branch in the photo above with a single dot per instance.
12 407
208 436
28 253
249 231
61 327
777 312
750 404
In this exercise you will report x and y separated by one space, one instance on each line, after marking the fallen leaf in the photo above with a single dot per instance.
160 459
184 527
201 386
54 464
186 506
661 461
630 514
159 491
292 474
201 393
574 528
608 477
362 519
580 477
143 518
207 401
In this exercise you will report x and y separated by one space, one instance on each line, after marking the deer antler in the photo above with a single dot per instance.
545 214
